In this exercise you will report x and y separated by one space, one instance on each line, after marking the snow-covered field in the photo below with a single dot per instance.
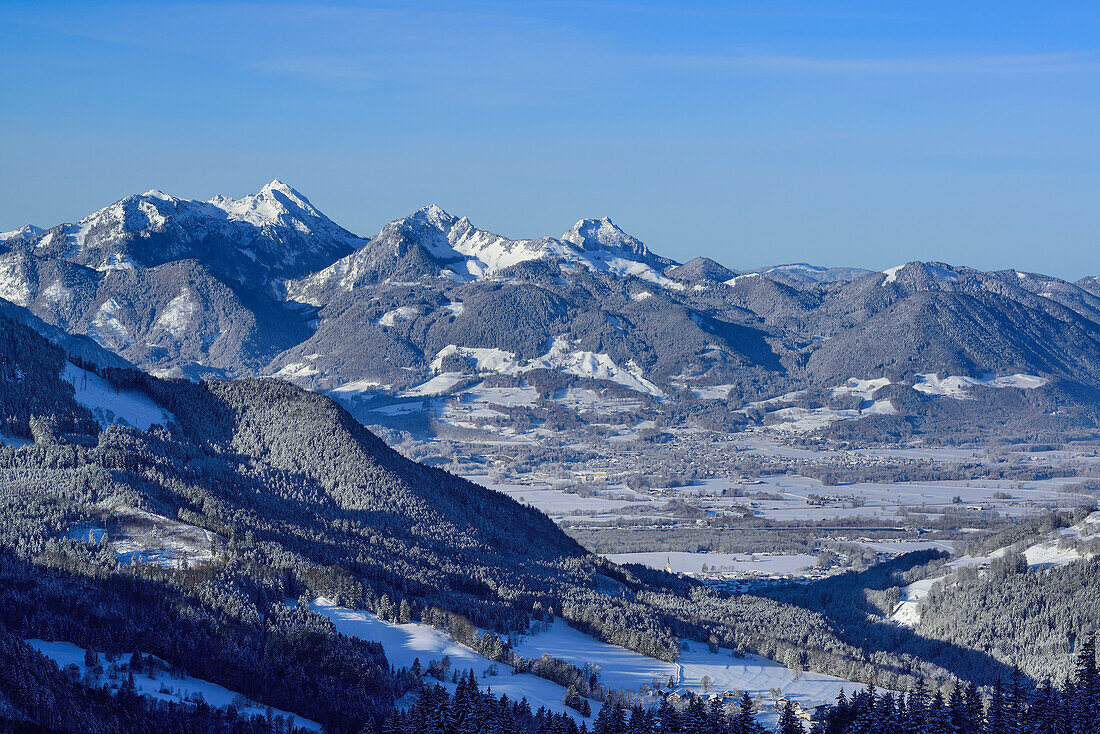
959 387
618 668
787 497
555 502
897 547
625 669
110 405
145 537
14 441
563 356
166 687
882 500
404 643
805 420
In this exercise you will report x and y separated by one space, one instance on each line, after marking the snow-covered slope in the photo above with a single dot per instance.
26 231
617 667
273 233
268 285
110 405
139 536
172 686
934 271
807 273
624 669
404 643
1058 549
563 356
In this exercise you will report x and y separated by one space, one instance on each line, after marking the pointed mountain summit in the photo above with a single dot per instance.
276 204
174 285
27 231
603 234
272 234
431 243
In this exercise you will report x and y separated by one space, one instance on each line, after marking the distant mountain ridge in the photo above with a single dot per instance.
431 304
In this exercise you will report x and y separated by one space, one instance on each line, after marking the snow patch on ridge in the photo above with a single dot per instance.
110 405
863 388
563 356
107 329
178 314
405 313
56 292
936 272
27 231
13 281
803 420
958 387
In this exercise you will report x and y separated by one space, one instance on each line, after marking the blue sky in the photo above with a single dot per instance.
751 132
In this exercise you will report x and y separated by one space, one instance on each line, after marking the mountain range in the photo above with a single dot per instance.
237 508
432 306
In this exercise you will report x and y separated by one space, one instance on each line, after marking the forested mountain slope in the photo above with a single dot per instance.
283 494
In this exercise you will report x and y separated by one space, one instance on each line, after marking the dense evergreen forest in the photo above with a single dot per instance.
298 500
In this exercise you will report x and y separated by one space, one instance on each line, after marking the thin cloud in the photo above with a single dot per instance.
1051 63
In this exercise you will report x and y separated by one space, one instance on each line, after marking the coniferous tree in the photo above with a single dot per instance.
745 720
1015 704
995 712
938 720
788 722
1086 682
916 707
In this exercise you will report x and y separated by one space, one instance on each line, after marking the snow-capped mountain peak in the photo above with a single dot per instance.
603 234
158 194
275 232
275 203
276 185
25 232
435 215
923 274
431 243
